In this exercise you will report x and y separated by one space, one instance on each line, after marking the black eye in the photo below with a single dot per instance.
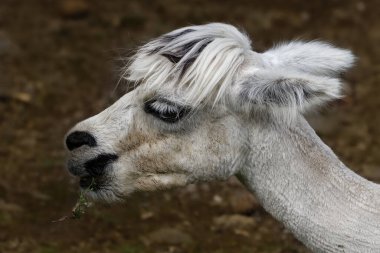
166 110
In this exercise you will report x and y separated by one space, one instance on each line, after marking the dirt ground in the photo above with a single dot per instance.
59 63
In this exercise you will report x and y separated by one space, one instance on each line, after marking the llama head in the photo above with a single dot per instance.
198 92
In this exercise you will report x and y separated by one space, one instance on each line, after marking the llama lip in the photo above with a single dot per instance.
96 166
93 168
86 181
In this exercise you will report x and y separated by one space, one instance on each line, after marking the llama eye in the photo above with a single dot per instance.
165 110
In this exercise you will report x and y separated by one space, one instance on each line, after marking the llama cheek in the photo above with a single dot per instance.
136 139
216 148
149 161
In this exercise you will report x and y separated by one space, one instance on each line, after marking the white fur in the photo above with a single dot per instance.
289 69
208 78
314 57
230 90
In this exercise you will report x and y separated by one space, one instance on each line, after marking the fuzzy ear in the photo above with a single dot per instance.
314 57
276 88
292 78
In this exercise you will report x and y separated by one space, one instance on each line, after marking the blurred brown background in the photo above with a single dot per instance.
59 63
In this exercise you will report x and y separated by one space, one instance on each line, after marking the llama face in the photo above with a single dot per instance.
147 141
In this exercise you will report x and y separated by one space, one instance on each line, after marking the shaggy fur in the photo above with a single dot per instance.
201 61
196 114
204 63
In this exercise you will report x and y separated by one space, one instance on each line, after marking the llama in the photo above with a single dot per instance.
206 107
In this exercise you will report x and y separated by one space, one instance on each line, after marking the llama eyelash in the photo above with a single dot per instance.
166 110
163 107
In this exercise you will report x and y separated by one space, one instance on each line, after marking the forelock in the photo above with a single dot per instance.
201 61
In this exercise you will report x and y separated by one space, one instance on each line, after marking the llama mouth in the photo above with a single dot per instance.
99 189
87 182
97 166
91 183
92 173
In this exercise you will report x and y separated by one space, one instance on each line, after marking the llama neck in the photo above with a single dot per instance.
301 182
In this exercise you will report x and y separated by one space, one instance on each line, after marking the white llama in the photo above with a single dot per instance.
206 107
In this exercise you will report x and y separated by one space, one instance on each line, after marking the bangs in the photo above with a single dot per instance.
200 61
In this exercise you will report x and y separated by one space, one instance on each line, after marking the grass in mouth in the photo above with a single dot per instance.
81 205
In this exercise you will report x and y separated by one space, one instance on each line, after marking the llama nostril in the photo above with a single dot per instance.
78 139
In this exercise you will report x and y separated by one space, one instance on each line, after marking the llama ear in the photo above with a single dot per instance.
292 78
274 89
314 57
